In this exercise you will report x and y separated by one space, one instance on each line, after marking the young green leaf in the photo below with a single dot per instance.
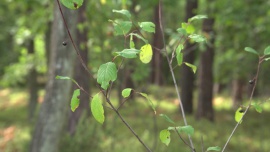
139 37
266 59
267 51
257 107
179 58
131 42
121 27
129 53
146 53
72 4
124 12
197 17
126 92
188 27
150 102
251 50
179 48
196 37
107 72
193 67
97 109
75 100
147 26
65 78
238 115
213 148
165 136
167 118
186 129
182 31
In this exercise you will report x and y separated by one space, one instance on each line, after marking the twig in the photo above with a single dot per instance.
173 77
183 140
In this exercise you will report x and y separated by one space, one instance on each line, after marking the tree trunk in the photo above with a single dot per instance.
205 106
32 84
237 92
187 76
156 64
81 76
54 108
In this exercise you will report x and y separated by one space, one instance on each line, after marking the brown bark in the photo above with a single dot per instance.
81 76
187 76
54 108
205 106
237 92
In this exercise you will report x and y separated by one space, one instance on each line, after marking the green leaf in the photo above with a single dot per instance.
267 51
131 42
186 129
107 72
149 101
251 50
146 53
182 31
72 4
97 109
65 78
167 118
140 37
238 115
197 17
147 26
124 12
126 92
257 107
121 27
179 58
266 59
165 136
188 27
193 67
179 48
75 100
196 37
213 148
129 53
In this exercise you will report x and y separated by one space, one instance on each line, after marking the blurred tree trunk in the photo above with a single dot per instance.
156 64
47 42
81 76
187 76
205 106
57 98
237 92
32 83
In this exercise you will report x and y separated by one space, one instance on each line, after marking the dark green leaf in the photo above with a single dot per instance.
193 67
124 12
97 109
196 37
267 51
251 50
186 129
72 4
147 26
75 100
107 72
165 136
197 17
129 53
126 92
167 118
213 148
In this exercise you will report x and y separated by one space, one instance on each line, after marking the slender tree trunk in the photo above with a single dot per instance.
81 76
156 64
237 92
32 84
54 108
187 76
205 106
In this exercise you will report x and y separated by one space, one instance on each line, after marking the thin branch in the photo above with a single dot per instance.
173 77
183 139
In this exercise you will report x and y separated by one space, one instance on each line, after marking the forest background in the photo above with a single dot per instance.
32 31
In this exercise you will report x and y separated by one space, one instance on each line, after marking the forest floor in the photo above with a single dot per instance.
253 135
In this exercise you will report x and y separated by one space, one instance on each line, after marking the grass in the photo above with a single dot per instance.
252 135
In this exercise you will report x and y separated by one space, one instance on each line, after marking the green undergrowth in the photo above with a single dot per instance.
252 135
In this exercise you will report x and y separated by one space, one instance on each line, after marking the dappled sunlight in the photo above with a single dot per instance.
222 103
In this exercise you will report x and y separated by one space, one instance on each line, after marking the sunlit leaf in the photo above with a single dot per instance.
193 67
72 4
266 59
149 101
213 148
146 53
124 12
129 53
197 37
107 72
147 26
197 17
267 51
75 100
257 107
97 109
251 50
167 118
239 114
188 27
126 92
186 129
165 136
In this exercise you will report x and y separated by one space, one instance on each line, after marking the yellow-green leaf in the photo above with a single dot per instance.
146 53
239 114
75 100
165 136
126 92
97 109
193 67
